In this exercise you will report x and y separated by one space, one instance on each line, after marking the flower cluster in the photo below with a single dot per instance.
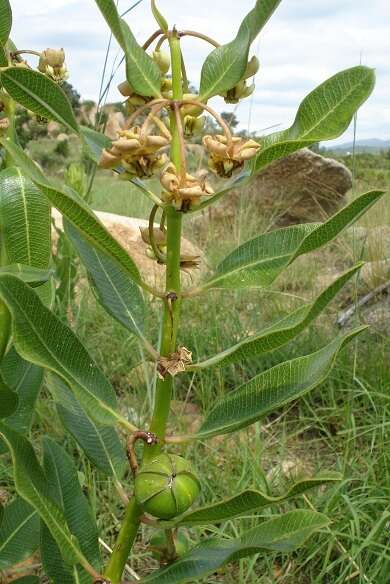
139 154
225 157
52 64
184 192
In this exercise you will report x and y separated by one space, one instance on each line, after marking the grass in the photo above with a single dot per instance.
344 425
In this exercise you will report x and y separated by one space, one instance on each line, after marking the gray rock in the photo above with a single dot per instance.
302 187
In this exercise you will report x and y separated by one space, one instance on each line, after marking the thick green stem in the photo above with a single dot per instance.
171 312
170 321
124 543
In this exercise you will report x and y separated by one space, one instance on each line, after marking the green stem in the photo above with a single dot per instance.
124 543
171 312
170 322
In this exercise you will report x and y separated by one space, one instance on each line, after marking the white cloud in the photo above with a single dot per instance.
304 43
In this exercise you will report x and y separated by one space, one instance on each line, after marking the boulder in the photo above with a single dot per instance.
126 231
299 188
302 187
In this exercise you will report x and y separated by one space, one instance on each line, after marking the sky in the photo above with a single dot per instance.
304 43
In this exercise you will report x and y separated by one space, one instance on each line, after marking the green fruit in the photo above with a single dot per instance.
166 486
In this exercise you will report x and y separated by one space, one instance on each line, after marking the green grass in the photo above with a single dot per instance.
344 425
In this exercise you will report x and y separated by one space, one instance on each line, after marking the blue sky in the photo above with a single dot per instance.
305 42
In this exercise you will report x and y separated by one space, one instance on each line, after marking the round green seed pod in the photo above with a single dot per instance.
166 486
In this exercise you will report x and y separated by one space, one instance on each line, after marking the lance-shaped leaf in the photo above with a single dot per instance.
258 262
100 443
248 502
24 220
323 115
65 489
8 400
142 72
280 332
3 56
5 20
25 379
76 211
31 484
226 65
273 389
38 93
94 142
119 295
40 337
281 534
27 273
19 533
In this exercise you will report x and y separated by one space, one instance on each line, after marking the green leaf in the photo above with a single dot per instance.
142 72
38 93
280 332
31 484
76 211
258 262
25 379
100 443
8 400
281 534
24 220
323 115
40 337
226 65
273 389
3 56
65 489
27 273
19 533
5 20
95 143
119 295
248 502
161 21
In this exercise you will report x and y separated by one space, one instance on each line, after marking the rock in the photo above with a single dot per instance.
299 188
304 186
126 231
115 122
53 129
62 137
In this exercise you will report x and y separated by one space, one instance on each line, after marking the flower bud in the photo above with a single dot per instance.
162 59
125 89
193 125
166 486
52 64
252 67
